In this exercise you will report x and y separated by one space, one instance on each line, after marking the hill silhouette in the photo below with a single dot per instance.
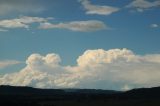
28 96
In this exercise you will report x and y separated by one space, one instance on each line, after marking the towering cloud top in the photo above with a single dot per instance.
118 69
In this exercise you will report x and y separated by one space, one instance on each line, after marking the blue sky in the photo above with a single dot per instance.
109 24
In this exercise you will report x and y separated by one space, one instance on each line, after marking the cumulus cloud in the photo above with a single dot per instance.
7 63
21 22
36 60
141 5
118 69
97 9
82 26
20 6
41 71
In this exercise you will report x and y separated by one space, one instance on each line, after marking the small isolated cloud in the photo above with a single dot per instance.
20 6
21 22
154 25
82 26
97 9
141 5
7 63
118 69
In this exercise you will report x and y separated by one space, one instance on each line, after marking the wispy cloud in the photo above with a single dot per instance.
141 5
97 9
82 26
118 69
154 26
20 6
6 63
26 22
21 22
3 30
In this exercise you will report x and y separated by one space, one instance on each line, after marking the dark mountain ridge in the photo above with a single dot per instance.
28 96
10 90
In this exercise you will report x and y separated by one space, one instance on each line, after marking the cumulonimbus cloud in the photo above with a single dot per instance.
118 69
81 26
141 5
97 9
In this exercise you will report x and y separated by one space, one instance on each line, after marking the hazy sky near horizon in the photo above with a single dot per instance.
80 43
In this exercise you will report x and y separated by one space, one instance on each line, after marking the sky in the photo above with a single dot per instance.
100 44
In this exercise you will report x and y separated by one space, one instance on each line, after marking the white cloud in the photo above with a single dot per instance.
118 69
38 60
141 5
41 71
7 63
26 22
97 9
20 6
21 22
154 25
82 26
100 56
